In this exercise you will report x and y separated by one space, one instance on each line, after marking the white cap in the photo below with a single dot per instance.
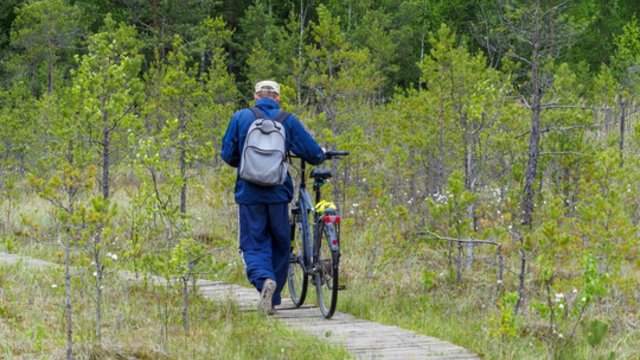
268 86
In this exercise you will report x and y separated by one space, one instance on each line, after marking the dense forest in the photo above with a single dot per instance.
495 151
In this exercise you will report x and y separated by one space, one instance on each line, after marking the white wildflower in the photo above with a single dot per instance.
559 297
575 291
53 286
95 274
560 335
356 204
584 299
499 282
561 306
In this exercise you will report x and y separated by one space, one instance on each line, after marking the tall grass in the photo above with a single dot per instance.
408 285
32 324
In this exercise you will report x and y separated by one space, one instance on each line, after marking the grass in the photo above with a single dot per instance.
390 278
465 314
32 324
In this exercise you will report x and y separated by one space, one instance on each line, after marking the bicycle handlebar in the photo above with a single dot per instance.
331 154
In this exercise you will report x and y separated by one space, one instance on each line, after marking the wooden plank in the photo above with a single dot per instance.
365 339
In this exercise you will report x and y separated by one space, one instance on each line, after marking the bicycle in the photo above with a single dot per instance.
318 259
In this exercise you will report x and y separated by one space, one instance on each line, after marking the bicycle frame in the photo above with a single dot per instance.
306 207
309 259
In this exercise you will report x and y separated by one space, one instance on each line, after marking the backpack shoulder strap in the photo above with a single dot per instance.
282 116
256 112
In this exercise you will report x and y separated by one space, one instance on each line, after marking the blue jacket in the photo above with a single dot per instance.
299 141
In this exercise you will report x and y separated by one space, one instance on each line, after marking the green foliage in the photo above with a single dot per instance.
626 54
335 71
595 331
506 324
594 281
137 101
9 244
45 31
20 128
450 212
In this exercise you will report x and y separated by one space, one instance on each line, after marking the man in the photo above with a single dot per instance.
263 210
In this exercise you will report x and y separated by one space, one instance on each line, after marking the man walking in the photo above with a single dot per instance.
263 210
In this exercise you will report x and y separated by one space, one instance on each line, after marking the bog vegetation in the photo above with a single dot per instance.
491 195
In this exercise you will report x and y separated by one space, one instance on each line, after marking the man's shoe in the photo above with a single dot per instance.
266 295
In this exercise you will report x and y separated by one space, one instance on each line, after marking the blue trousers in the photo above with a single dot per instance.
265 244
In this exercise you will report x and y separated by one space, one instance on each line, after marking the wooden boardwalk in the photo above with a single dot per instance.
364 339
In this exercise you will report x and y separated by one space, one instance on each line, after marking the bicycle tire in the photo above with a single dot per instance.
326 275
297 279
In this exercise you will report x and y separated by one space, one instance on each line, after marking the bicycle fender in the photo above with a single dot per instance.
332 236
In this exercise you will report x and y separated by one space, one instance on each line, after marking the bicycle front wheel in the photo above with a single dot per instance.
297 279
326 274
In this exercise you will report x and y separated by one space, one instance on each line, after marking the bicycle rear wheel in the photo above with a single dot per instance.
326 276
297 279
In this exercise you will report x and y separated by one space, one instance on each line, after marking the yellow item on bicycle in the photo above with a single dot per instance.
324 205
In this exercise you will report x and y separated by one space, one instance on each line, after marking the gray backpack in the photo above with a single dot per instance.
263 159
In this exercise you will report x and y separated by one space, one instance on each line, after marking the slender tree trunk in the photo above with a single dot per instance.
623 114
67 289
532 166
183 213
183 166
468 142
98 241
67 297
500 270
534 149
98 261
441 150
521 278
301 30
106 143
185 300
155 26
50 70
459 264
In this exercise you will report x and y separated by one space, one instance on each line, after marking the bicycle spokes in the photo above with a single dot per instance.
326 279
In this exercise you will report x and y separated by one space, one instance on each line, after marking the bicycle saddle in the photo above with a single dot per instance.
321 174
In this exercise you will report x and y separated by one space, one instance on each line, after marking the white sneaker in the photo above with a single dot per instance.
266 295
